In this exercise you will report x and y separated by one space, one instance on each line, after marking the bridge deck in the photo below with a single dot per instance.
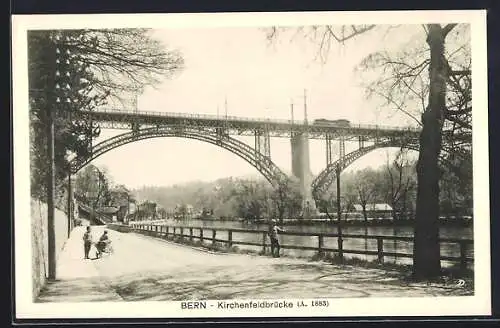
145 268
119 119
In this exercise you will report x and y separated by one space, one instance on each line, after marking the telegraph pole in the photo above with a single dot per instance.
51 181
225 113
51 186
70 201
339 215
305 106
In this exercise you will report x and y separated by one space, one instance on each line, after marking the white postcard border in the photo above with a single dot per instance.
479 304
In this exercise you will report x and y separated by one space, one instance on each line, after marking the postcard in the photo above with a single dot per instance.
305 164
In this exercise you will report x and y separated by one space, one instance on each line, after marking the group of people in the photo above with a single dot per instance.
101 245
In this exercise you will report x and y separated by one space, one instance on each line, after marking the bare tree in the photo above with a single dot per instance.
435 112
125 60
400 182
366 189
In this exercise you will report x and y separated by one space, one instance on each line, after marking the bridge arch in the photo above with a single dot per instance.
262 163
322 182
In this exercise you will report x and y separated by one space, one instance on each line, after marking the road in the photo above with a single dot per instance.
146 268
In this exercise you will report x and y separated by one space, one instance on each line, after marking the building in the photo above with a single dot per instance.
375 209
183 211
146 210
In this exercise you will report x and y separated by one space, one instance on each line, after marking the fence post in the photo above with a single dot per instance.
214 232
230 238
463 259
320 245
174 231
201 235
340 242
264 237
182 232
380 249
190 234
167 232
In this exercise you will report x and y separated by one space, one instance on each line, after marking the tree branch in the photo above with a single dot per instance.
447 29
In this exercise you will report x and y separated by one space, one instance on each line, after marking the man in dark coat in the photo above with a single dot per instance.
87 242
273 235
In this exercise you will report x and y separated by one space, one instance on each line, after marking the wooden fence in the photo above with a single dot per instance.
209 234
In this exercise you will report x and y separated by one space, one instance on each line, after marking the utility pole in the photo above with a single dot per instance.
70 203
305 106
51 186
51 181
225 107
339 215
225 113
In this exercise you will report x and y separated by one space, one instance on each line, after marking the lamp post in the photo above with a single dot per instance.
339 212
128 209
70 157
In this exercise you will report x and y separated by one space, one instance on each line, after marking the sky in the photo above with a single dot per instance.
258 79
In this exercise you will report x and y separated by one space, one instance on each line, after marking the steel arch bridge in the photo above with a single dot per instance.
254 157
324 180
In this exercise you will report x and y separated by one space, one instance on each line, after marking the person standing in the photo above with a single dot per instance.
87 241
274 230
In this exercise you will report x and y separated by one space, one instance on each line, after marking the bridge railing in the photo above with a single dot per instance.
253 120
233 236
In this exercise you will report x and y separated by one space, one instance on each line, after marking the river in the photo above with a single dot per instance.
447 249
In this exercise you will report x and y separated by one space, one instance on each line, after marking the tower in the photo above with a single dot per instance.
301 166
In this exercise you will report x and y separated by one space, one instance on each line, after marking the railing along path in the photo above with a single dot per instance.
209 234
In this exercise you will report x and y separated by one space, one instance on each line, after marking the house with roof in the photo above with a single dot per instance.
376 209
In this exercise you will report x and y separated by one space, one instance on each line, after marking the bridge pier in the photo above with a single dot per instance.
301 169
263 142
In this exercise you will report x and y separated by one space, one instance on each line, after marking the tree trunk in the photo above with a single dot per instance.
426 262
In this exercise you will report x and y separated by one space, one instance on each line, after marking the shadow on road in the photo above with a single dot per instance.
278 280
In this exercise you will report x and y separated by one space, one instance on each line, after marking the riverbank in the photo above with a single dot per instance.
355 222
448 274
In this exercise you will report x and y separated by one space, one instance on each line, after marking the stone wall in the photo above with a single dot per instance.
39 241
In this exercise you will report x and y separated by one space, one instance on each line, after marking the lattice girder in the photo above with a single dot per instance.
261 162
325 179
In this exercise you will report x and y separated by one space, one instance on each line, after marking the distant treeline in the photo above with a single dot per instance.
254 199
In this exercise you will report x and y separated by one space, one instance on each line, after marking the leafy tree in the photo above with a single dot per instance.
92 185
79 70
49 94
251 200
287 199
119 195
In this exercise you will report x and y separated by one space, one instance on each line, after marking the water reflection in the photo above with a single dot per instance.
360 244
